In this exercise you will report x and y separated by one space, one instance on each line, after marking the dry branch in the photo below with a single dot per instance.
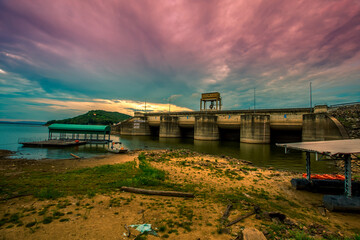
240 218
226 213
256 210
156 192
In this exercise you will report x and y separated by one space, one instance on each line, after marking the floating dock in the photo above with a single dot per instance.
341 150
53 143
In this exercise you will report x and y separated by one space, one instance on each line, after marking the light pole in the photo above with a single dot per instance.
254 99
310 98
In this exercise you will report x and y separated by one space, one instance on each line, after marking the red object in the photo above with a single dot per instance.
76 141
326 176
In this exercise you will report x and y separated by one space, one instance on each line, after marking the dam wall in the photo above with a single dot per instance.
246 125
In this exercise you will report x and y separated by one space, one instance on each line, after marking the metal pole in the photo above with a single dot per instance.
169 105
145 106
310 98
347 175
254 101
308 168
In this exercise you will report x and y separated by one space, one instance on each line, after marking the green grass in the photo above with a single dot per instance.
86 181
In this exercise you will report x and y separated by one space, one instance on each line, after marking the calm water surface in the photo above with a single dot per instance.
263 155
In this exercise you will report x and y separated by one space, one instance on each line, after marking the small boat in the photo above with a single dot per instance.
117 147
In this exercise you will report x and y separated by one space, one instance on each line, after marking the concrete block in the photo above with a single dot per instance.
322 127
341 203
169 127
255 128
136 127
206 128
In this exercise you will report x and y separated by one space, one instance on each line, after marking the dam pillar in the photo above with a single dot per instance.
138 126
321 127
206 128
255 128
169 127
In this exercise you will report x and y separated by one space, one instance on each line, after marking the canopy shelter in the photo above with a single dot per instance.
79 132
333 150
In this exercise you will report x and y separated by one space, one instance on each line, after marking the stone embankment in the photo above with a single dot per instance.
349 116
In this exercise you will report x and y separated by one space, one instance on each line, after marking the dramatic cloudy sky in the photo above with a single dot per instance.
60 58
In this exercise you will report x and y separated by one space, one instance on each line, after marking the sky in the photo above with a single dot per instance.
62 58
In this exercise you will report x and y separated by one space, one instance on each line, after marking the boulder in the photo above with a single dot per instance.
252 234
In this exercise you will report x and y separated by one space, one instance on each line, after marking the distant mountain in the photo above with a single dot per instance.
23 122
94 117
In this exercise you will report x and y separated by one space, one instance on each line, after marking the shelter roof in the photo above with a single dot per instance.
76 127
334 147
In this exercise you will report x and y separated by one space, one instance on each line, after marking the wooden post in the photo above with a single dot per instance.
308 167
347 175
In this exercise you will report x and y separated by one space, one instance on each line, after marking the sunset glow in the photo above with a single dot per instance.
62 58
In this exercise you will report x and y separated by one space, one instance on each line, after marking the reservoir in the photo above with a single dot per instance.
262 155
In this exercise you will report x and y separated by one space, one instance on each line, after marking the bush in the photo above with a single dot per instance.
48 193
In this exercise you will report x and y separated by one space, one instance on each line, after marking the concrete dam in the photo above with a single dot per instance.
248 126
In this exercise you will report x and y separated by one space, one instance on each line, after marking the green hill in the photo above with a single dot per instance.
94 117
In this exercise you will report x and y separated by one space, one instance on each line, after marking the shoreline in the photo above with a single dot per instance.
88 208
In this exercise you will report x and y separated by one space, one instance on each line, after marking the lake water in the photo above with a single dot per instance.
263 155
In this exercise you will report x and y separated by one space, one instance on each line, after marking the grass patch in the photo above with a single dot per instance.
86 181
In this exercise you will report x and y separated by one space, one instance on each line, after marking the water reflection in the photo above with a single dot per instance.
263 155
205 146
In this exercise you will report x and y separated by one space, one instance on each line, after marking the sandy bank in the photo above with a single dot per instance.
215 180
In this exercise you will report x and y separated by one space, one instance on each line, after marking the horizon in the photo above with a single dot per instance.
60 59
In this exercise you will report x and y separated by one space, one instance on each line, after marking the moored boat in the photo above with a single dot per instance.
117 147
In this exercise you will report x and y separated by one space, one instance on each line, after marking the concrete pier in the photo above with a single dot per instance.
255 129
206 128
169 127
322 127
138 126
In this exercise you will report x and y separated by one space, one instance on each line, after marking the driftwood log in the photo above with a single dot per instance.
156 192
75 156
13 197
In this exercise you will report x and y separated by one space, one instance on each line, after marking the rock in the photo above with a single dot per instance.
226 230
322 211
252 234
276 220
289 222
274 216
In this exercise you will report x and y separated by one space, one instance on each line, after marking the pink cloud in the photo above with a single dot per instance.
184 46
